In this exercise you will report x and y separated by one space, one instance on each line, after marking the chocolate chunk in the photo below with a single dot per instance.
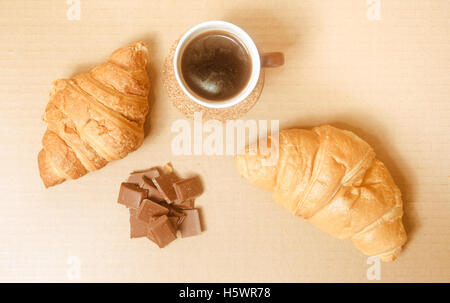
161 231
164 184
160 204
149 209
137 176
153 192
188 188
175 212
137 227
187 204
150 236
174 221
191 224
131 195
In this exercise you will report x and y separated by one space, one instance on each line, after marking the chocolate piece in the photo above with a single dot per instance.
188 188
164 184
137 176
149 209
174 221
150 236
187 204
137 227
191 224
131 195
174 212
160 204
153 192
161 231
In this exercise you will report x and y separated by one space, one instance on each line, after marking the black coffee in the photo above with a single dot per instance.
216 66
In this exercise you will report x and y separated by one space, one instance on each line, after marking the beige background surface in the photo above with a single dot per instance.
386 80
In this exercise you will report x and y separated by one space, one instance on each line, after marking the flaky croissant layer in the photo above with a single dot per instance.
331 178
97 117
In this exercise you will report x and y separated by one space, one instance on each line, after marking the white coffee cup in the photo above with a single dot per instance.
268 60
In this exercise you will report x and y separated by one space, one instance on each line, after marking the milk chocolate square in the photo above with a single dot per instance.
174 221
137 176
153 192
186 204
161 231
191 224
164 184
188 188
150 209
131 195
138 228
178 213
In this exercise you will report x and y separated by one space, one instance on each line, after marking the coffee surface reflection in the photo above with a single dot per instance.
216 66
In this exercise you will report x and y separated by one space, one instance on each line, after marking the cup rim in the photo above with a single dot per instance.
244 38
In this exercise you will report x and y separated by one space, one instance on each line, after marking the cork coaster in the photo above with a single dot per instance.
185 105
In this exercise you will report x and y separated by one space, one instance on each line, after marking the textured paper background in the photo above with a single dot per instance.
387 80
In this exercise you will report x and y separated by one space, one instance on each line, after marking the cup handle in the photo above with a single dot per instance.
274 59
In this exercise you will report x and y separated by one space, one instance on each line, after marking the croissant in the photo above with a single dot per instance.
331 178
95 118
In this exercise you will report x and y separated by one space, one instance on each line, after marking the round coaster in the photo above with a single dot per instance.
185 105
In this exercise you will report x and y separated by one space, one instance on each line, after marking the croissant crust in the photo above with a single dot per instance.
331 178
95 118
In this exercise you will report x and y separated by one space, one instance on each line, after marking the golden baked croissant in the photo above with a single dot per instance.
331 178
96 117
